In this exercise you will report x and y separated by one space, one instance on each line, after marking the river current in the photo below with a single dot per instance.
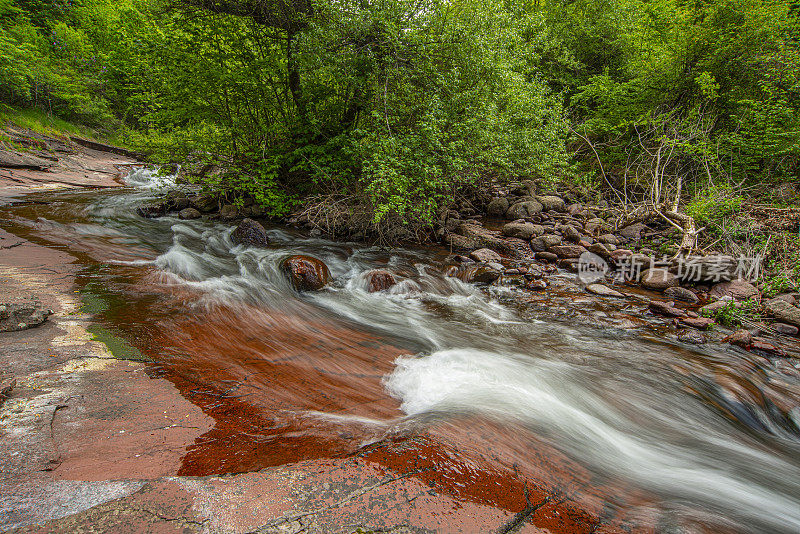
690 438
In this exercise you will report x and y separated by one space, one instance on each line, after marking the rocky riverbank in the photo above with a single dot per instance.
543 245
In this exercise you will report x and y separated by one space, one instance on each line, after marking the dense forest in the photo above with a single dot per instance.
676 106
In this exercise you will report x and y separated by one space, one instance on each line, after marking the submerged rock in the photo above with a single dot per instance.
604 291
306 273
379 280
152 210
250 232
692 336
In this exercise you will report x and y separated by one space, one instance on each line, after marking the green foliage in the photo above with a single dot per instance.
714 203
735 313
716 80
783 266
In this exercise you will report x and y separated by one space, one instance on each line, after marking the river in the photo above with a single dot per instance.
494 399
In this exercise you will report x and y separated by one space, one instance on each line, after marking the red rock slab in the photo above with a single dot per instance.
126 426
84 169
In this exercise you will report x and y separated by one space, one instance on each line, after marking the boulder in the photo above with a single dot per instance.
738 289
542 243
379 280
480 273
306 273
522 230
633 231
189 213
788 297
604 291
485 255
521 210
600 250
681 293
254 211
473 235
228 212
570 233
497 207
783 311
176 200
250 232
204 203
658 279
696 269
665 308
568 251
551 203
741 338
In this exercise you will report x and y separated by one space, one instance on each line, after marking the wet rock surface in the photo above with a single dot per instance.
250 232
380 280
604 291
306 273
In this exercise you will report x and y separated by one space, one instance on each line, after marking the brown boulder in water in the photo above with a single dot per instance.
479 273
306 273
379 280
250 232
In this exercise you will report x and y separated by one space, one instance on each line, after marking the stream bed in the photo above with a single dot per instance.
499 404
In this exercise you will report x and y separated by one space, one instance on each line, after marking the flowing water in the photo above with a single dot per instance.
705 438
